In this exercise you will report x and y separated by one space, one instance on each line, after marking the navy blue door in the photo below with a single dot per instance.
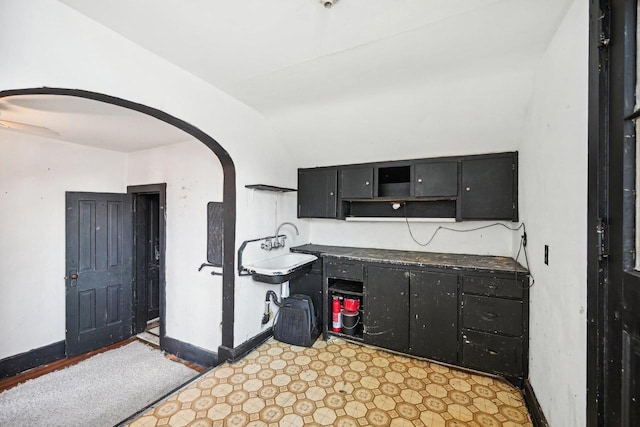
98 285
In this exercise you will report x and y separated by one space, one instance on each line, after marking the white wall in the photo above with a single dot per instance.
45 43
473 107
478 107
395 235
553 184
34 175
193 176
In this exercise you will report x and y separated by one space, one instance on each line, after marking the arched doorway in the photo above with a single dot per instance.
229 191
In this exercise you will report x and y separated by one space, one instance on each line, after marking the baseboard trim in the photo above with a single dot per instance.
189 352
537 416
227 354
18 363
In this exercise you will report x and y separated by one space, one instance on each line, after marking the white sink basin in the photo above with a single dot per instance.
281 268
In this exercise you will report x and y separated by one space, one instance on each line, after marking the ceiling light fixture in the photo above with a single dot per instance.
328 3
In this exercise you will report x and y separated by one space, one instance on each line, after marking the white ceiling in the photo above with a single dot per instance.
275 55
87 122
289 56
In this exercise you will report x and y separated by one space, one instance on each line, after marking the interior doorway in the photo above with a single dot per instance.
149 300
31 98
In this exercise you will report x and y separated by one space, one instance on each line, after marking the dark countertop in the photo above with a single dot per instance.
421 259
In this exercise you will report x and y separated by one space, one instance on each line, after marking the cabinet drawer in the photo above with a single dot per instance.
493 286
344 271
492 314
492 353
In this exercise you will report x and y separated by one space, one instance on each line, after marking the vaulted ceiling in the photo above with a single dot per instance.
287 57
279 54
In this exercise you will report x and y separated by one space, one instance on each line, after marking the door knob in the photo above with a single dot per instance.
73 277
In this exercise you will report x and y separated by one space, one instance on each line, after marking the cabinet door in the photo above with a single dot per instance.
386 308
433 314
436 179
488 188
317 190
356 183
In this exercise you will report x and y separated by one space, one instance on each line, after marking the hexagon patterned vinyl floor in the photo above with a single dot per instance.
337 383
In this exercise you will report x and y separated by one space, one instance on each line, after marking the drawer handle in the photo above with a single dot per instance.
489 316
491 352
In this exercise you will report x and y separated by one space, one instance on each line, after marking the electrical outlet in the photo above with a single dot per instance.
546 254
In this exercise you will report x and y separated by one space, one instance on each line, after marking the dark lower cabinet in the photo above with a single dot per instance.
492 353
386 301
494 329
470 318
498 315
433 316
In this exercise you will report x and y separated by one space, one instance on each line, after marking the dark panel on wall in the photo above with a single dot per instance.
215 236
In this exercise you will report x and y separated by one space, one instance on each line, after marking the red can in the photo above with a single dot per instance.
336 314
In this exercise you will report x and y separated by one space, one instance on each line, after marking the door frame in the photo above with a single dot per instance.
229 187
161 191
611 166
597 179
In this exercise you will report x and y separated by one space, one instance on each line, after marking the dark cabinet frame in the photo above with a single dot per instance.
477 187
483 336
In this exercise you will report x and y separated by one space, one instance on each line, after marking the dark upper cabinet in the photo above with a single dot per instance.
356 183
436 179
478 187
386 304
489 188
433 315
317 193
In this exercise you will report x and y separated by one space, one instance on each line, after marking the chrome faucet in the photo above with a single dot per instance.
286 223
276 242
